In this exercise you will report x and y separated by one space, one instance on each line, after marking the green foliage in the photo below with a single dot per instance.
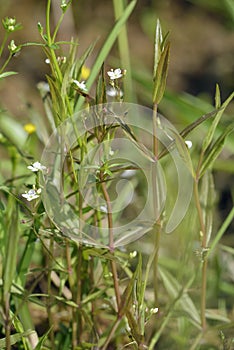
62 289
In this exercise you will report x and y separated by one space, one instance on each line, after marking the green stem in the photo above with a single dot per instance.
49 311
155 139
6 63
111 334
57 27
157 226
111 242
203 238
54 63
7 322
3 43
124 53
203 292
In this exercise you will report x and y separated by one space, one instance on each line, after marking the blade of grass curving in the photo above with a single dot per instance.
13 130
107 47
175 289
222 230
12 240
230 7
178 293
15 338
215 149
7 74
208 139
207 199
124 52
42 340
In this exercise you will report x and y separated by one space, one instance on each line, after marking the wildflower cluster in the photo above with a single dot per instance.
34 193
114 89
10 24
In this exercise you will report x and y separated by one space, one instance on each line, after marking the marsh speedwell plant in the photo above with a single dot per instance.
107 236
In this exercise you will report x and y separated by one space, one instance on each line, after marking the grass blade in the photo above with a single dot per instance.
107 47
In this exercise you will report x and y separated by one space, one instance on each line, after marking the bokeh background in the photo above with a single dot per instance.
201 35
202 52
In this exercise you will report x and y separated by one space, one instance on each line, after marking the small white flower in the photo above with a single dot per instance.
47 61
189 144
115 74
113 92
36 167
81 85
154 310
133 254
103 208
128 173
32 194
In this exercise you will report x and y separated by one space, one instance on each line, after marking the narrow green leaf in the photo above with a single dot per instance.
161 75
175 290
101 88
14 338
183 150
157 46
215 150
13 130
124 53
59 109
42 340
217 97
222 230
128 292
12 245
107 46
207 200
7 74
198 122
208 139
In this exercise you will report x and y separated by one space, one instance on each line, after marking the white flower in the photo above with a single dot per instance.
36 166
31 194
115 74
103 208
154 310
113 92
189 144
81 85
128 173
47 61
133 254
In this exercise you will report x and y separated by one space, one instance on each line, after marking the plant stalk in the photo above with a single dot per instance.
157 226
111 242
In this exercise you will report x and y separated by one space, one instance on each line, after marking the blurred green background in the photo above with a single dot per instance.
201 35
202 51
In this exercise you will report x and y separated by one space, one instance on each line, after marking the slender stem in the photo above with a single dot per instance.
3 43
50 316
124 52
7 322
57 27
157 226
155 139
203 238
199 210
109 215
111 242
203 292
112 332
6 63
